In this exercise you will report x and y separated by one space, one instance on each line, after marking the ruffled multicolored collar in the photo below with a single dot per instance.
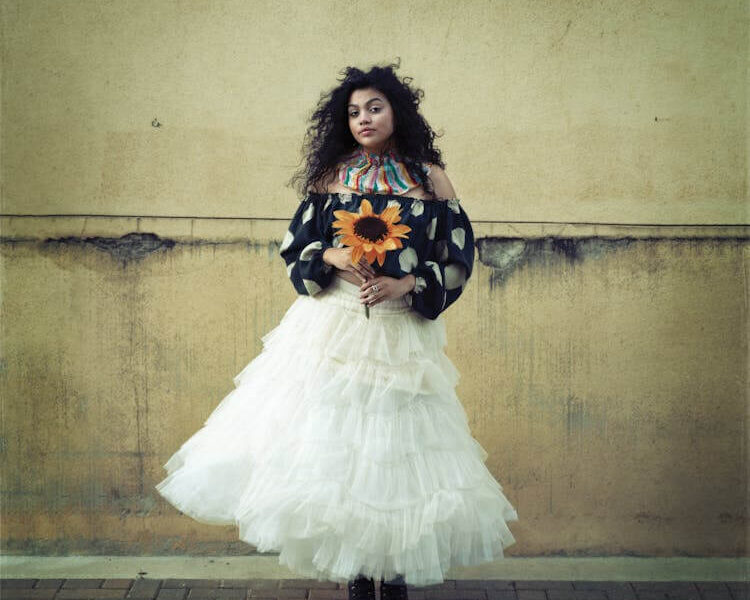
371 172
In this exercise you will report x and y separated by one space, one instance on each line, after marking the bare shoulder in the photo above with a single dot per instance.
441 183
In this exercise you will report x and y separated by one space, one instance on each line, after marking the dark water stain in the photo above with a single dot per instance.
136 246
127 248
506 254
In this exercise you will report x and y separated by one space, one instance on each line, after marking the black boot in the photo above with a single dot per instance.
362 588
395 589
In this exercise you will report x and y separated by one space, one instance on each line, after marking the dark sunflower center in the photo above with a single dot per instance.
371 229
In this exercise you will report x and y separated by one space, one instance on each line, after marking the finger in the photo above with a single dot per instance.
359 266
367 266
356 270
364 275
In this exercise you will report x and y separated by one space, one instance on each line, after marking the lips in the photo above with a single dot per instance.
366 130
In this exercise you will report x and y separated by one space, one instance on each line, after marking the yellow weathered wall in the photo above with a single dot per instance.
600 148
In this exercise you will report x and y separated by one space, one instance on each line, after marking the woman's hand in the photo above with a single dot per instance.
387 288
341 258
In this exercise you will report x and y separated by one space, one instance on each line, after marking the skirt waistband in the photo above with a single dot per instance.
346 294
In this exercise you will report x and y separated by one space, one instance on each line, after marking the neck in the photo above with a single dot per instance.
381 152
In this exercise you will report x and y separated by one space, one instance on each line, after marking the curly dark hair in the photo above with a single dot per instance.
328 139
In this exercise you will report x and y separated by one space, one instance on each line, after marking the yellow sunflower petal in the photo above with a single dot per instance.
343 224
397 242
370 256
390 213
381 259
400 229
345 215
367 246
356 254
351 240
365 208
389 244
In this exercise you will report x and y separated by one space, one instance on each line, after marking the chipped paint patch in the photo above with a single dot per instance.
505 255
135 246
131 246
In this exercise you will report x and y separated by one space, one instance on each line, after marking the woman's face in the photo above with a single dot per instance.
370 119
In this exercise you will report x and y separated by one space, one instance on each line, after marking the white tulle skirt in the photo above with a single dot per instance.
345 448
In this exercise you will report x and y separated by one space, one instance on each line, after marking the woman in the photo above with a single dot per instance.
343 445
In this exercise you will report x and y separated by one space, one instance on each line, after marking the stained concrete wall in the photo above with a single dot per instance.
599 147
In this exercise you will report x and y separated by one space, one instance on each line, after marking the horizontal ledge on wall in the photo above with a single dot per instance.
539 570
20 228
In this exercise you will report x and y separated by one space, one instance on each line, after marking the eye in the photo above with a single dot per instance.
375 108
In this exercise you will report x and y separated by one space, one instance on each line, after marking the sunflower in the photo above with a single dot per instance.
371 234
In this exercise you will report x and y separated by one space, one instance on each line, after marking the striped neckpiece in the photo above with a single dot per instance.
371 172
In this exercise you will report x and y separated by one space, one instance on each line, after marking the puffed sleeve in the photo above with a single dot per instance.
441 279
304 243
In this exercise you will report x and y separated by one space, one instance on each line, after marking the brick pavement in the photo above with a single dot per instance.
307 589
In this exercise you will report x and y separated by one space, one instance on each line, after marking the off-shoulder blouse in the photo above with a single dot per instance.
438 250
